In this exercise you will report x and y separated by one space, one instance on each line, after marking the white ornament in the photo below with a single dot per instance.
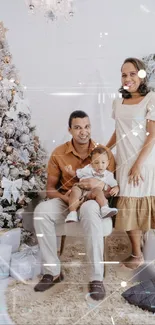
11 188
142 74
14 172
9 149
24 138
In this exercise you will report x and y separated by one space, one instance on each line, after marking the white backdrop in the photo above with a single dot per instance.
70 56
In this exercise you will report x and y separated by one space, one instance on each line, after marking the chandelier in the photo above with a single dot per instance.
52 9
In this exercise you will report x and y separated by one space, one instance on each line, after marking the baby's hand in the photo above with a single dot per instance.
70 171
114 191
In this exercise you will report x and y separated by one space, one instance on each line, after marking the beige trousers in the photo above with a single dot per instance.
54 211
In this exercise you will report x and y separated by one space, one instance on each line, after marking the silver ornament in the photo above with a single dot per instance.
14 172
24 138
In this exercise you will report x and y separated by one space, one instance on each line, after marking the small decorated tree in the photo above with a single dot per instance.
22 159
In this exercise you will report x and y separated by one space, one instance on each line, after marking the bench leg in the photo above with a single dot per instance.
63 238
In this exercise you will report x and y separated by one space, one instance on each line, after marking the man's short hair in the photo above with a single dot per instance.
99 150
76 114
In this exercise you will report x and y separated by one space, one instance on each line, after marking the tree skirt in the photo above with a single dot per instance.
69 302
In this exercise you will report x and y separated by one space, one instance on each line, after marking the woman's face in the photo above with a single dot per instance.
130 78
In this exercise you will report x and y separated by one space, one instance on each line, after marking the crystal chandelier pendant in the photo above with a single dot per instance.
52 9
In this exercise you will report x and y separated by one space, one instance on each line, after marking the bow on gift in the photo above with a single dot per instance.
11 188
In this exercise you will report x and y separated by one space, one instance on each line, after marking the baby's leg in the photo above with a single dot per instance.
73 204
99 197
74 198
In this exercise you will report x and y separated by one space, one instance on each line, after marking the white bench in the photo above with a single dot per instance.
73 229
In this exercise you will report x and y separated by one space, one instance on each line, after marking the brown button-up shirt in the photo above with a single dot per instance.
66 155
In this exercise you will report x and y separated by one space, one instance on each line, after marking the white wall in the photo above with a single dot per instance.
56 56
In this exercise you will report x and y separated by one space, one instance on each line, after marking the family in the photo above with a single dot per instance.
83 175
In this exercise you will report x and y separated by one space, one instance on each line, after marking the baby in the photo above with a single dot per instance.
98 169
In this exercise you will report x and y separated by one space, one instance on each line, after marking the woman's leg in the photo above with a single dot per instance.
136 258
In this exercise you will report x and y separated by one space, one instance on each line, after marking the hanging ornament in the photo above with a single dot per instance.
9 149
14 172
13 92
11 189
7 59
24 138
27 172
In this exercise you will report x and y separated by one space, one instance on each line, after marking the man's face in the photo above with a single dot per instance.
80 130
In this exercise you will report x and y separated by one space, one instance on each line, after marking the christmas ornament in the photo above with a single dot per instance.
24 155
7 59
27 172
11 189
9 149
24 138
14 172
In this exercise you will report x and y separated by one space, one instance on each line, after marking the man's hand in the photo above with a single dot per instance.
90 183
114 191
65 197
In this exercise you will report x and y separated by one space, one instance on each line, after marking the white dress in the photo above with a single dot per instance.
136 204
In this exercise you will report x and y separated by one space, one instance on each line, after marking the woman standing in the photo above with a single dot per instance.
134 138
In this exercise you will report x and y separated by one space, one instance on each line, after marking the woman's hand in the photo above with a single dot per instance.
135 175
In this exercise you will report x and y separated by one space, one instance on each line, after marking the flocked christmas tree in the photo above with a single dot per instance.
22 159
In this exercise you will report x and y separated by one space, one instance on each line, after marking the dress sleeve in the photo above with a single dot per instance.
150 114
113 109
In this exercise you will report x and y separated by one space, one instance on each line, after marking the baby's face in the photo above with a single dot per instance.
100 162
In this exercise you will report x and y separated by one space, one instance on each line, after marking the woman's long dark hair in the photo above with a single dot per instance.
143 88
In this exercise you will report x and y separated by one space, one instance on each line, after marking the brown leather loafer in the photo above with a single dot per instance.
97 290
47 282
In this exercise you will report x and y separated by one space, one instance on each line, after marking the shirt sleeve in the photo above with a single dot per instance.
53 166
110 180
150 115
113 109
83 172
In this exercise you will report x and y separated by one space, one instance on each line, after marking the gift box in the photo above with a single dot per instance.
11 237
26 264
5 257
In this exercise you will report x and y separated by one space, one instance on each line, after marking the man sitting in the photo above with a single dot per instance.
76 153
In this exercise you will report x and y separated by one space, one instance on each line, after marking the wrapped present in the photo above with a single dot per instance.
26 264
11 237
5 257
